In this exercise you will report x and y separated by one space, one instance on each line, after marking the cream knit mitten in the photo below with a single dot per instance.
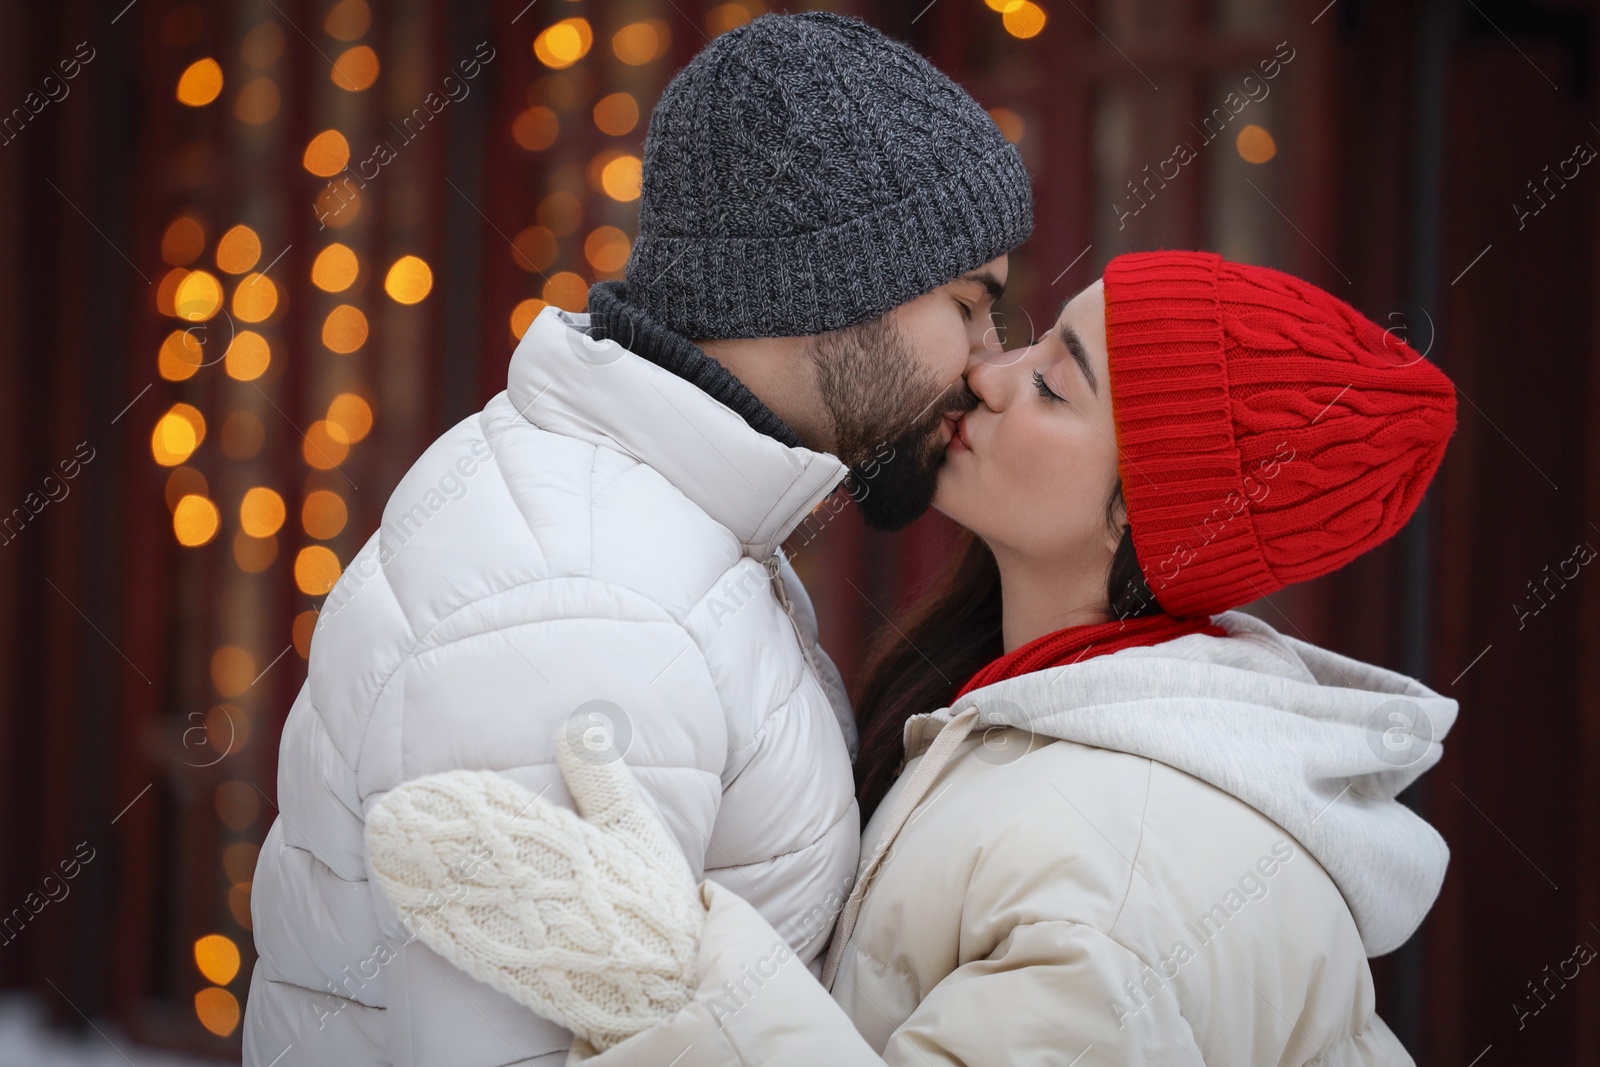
592 922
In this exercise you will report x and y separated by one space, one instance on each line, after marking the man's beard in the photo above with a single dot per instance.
887 418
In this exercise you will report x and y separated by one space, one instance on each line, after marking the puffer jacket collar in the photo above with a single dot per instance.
564 381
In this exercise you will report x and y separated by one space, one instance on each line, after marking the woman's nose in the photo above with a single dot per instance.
989 374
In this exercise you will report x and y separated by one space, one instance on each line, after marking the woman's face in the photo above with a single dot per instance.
1032 466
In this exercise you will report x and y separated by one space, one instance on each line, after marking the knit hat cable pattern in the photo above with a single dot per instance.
592 922
805 172
1268 432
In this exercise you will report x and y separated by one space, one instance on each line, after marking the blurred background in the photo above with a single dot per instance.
255 256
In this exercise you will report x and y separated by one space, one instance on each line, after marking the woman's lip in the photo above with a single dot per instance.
958 436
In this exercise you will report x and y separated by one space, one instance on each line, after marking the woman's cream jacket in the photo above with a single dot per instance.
1180 854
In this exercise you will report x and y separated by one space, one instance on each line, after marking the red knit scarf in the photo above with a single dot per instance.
1077 643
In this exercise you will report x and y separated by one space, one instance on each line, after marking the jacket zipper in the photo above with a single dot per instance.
775 569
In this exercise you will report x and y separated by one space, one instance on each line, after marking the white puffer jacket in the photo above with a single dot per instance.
596 548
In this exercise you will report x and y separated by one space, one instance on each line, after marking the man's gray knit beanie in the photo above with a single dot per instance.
805 173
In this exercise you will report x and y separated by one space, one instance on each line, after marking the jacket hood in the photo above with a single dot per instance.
1319 743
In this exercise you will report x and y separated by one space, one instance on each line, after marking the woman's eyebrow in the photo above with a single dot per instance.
1074 344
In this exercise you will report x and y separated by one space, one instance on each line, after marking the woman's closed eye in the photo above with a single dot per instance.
1045 390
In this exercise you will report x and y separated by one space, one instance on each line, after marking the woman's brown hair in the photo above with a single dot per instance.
950 632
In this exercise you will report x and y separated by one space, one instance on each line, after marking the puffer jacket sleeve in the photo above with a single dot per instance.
1048 993
755 1004
496 694
1043 996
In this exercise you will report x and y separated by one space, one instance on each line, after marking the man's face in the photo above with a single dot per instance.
893 389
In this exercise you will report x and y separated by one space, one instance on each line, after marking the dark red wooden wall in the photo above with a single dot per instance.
1406 135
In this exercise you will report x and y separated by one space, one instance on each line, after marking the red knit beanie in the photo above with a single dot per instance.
1268 432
